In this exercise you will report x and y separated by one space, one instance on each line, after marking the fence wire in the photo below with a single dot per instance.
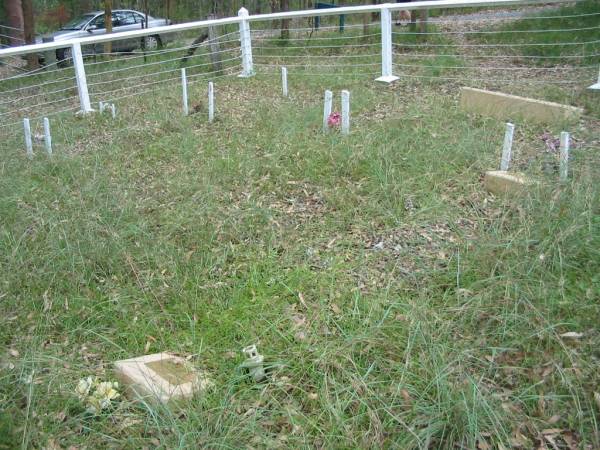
481 50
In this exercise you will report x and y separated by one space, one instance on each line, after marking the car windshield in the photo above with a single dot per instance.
78 23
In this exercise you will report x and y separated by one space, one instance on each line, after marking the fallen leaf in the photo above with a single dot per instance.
572 335
47 302
549 431
13 352
482 445
301 298
554 419
336 309
406 396
300 336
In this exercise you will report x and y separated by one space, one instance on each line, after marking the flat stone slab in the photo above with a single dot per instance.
508 107
161 376
500 182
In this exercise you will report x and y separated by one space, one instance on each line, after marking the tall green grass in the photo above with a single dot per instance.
162 230
550 34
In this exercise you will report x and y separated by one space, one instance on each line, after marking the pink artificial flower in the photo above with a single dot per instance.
334 120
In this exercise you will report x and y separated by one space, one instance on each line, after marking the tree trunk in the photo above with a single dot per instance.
14 13
168 8
108 24
285 23
29 31
366 19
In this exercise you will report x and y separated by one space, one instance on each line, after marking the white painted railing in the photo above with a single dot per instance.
243 20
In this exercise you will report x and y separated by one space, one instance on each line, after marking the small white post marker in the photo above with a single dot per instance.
184 92
564 155
101 107
596 86
507 148
113 110
284 83
47 136
28 143
345 112
327 110
211 101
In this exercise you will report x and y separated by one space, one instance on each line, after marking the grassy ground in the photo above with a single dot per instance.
399 304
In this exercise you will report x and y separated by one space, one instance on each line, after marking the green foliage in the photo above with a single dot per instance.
582 28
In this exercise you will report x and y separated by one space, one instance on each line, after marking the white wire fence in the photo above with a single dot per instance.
480 50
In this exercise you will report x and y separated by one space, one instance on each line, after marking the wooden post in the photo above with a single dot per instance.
423 17
108 24
29 31
285 23
215 53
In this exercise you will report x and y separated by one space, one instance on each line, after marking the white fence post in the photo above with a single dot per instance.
82 88
47 136
211 101
327 110
564 155
246 44
386 47
596 86
186 110
28 143
284 84
345 112
507 148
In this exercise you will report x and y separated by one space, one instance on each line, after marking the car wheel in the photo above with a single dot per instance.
64 56
151 43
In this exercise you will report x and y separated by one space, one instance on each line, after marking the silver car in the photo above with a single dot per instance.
91 24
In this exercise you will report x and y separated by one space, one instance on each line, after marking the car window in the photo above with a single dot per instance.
99 21
139 18
100 24
122 18
78 23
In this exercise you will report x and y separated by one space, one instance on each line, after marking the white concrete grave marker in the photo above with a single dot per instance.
564 155
596 86
47 136
211 101
507 148
345 112
184 98
284 83
113 110
28 143
327 110
161 377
